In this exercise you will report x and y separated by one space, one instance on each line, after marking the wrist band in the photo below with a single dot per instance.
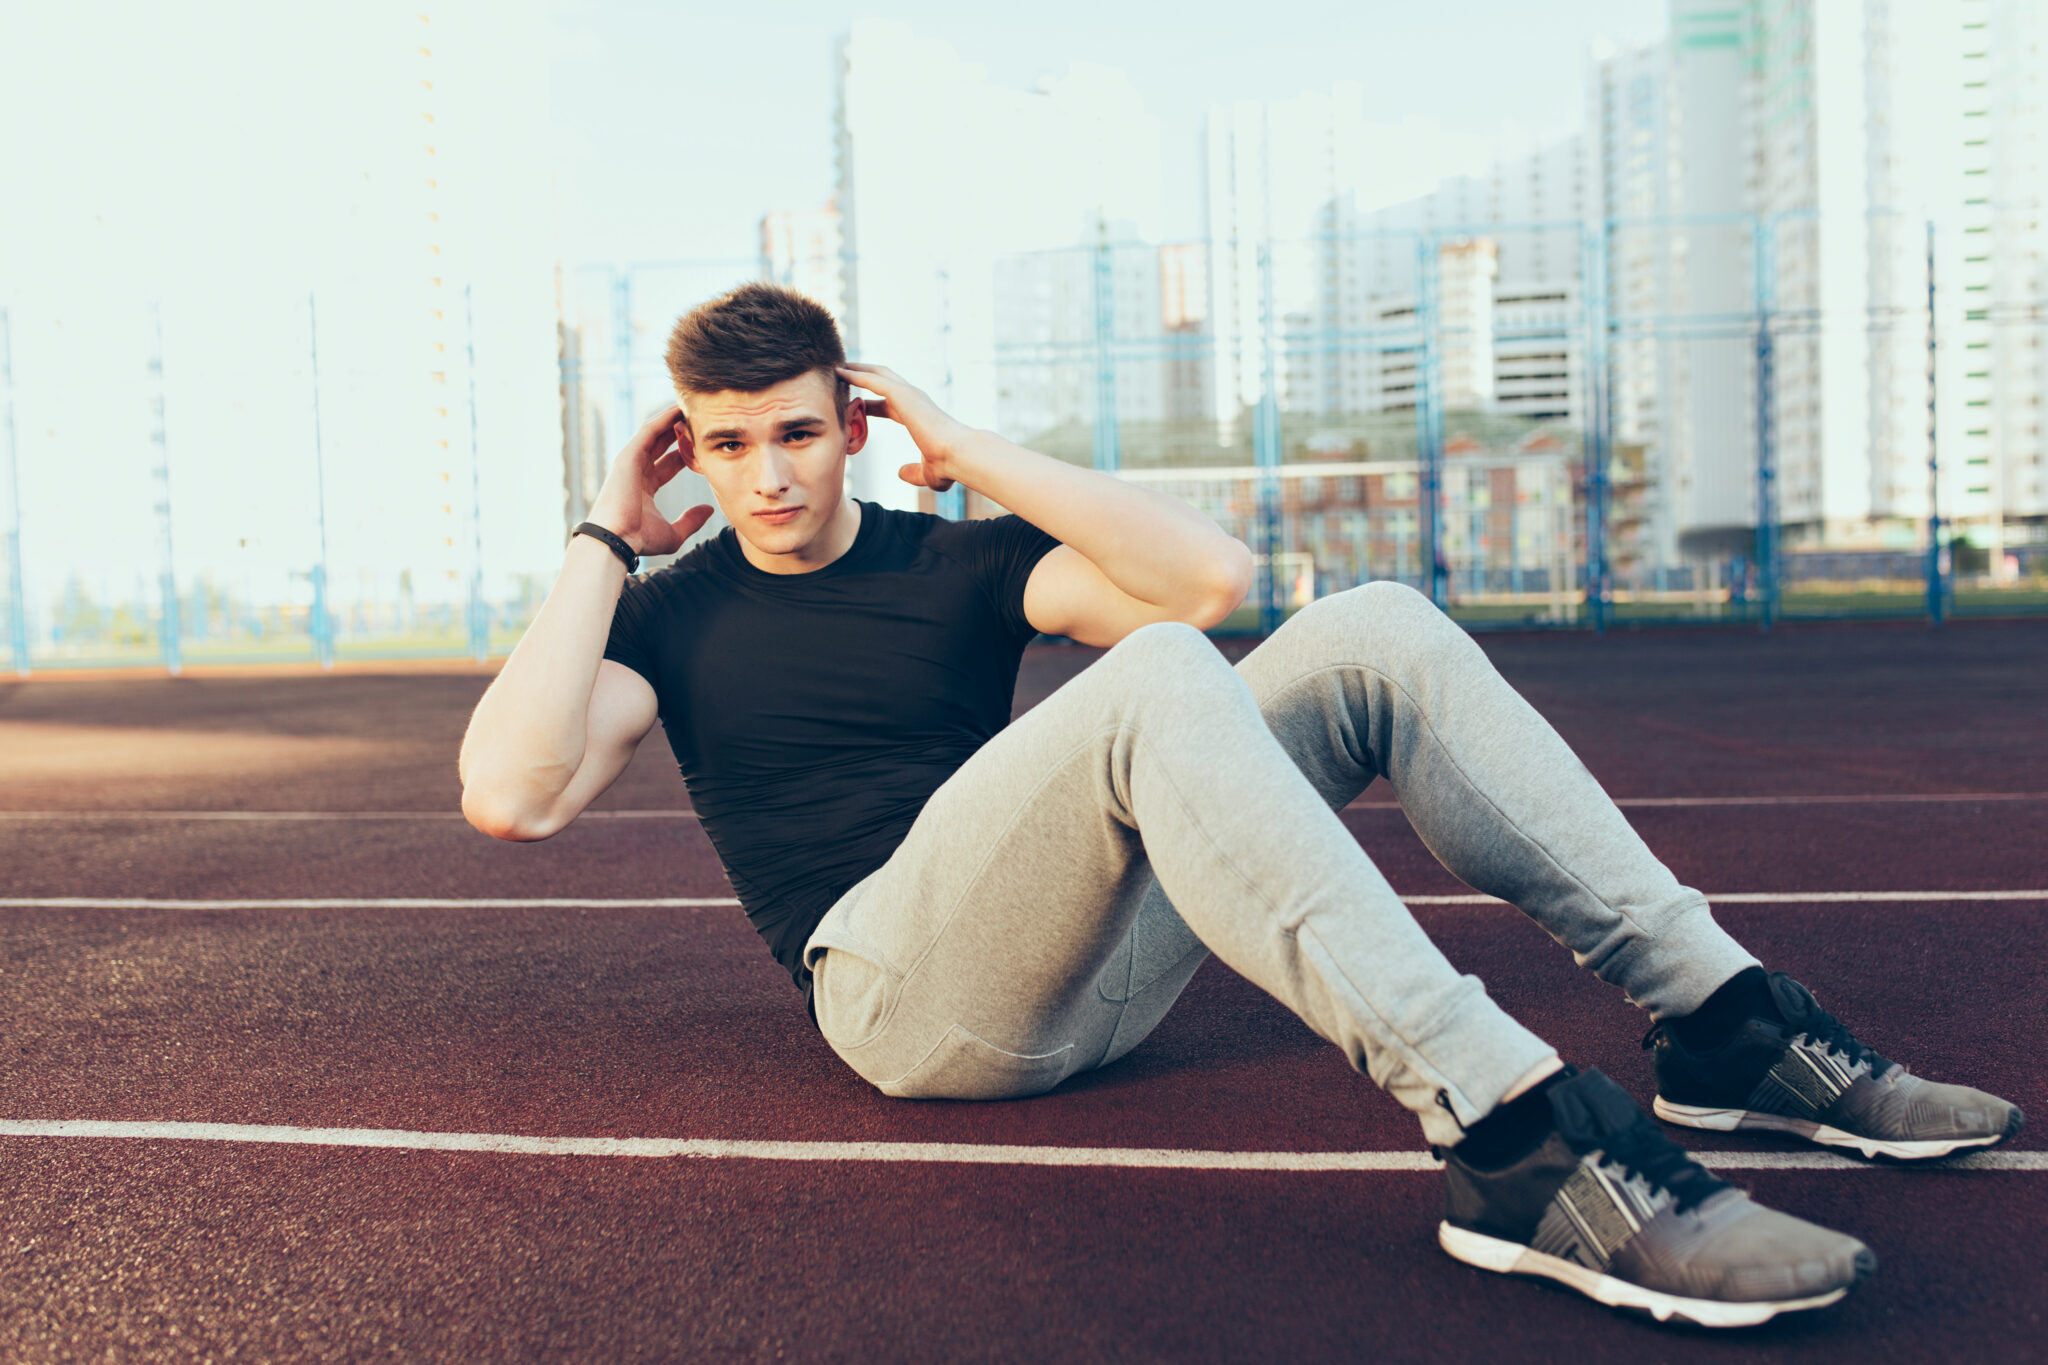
614 543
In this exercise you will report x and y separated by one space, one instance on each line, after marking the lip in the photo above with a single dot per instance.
778 515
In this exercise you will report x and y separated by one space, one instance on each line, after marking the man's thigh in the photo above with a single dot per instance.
1017 936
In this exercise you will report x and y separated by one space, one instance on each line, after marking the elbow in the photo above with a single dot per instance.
505 820
1229 582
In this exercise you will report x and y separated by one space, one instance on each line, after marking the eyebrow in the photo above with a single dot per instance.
784 426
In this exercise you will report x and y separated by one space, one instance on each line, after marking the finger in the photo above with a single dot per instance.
692 521
878 407
869 376
654 436
915 473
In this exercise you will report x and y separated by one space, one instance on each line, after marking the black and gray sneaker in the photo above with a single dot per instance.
1611 1207
1809 1077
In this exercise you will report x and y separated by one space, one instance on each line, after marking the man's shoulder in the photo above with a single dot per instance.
687 571
945 535
901 522
690 564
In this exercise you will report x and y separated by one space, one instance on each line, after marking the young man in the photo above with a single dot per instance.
977 909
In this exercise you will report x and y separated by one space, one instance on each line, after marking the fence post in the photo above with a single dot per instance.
1107 455
479 621
1266 451
323 621
1766 549
1937 595
169 633
622 361
1593 307
1429 423
17 592
951 504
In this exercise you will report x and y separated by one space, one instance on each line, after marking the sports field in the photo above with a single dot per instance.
299 1066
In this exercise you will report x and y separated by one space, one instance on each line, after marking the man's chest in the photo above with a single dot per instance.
758 686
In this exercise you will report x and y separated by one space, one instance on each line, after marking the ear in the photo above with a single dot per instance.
856 424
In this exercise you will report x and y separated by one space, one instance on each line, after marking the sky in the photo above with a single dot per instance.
222 172
734 115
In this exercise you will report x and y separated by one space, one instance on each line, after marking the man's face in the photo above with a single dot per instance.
776 459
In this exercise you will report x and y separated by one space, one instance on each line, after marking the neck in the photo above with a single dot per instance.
822 549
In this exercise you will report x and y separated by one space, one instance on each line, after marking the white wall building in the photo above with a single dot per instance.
1846 127
1632 170
942 173
1053 342
805 249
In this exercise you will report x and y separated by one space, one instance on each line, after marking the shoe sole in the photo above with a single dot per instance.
1512 1258
1749 1120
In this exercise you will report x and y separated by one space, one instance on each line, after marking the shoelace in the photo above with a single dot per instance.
1823 1028
1641 1149
1830 1033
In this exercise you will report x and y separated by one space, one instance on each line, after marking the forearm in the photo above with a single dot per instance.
1154 547
528 733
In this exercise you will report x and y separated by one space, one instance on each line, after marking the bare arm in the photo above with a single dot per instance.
1129 555
560 722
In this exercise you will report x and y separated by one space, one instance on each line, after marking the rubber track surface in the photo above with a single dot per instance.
632 1022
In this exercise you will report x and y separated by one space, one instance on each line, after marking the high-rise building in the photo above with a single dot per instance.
1632 181
1504 249
1837 133
1066 347
2003 231
1051 316
941 174
1284 179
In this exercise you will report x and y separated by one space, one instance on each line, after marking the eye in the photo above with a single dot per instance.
799 435
730 446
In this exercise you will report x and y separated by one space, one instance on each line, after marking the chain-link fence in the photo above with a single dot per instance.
1538 424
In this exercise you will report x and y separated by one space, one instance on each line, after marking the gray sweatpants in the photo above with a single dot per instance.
1059 890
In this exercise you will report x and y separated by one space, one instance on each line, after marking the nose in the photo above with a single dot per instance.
773 475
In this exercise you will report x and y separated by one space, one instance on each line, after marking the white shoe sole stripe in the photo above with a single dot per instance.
1750 1120
1512 1258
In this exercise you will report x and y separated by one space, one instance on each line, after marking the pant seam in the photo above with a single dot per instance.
1294 928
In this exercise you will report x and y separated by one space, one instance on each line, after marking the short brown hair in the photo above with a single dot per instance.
754 338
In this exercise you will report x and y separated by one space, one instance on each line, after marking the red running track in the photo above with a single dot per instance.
630 1021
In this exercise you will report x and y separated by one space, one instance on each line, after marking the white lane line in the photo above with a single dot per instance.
1869 799
1785 897
701 902
987 1154
352 903
88 816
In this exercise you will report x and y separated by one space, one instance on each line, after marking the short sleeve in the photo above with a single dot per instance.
1002 552
629 642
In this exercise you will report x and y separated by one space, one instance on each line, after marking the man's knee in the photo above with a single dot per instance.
1172 645
1383 624
1383 599
1169 662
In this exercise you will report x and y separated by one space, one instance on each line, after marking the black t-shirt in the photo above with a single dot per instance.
814 714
